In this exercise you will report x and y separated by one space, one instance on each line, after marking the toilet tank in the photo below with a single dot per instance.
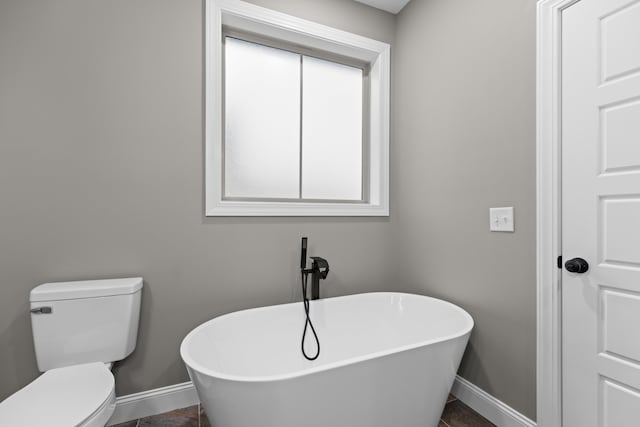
85 321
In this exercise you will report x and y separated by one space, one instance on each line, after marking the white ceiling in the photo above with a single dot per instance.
393 6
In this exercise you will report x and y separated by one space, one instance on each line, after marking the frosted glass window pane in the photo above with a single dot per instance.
262 121
331 131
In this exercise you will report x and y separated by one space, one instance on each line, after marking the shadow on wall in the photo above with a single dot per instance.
472 364
134 369
14 339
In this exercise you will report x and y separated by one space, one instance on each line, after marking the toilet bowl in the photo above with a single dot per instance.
79 329
80 395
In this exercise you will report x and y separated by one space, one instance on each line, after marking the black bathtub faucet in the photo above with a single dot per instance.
319 270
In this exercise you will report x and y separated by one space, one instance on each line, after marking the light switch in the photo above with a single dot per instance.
501 219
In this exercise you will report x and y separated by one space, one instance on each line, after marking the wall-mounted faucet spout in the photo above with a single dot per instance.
319 270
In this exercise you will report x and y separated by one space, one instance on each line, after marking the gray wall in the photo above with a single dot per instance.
464 140
101 175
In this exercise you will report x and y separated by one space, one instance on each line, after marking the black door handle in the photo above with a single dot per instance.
577 265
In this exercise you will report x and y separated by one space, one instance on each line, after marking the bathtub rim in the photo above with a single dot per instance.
191 364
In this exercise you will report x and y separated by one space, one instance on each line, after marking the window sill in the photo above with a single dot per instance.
242 208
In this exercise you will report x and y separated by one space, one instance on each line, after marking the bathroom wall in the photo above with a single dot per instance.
101 175
464 141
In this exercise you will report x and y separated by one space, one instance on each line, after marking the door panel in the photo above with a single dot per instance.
620 131
620 40
619 310
618 402
619 241
601 213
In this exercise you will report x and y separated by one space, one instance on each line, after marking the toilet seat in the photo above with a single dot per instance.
79 395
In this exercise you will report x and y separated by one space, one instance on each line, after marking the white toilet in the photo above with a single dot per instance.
79 330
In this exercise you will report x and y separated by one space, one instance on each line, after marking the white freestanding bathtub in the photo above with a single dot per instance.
387 359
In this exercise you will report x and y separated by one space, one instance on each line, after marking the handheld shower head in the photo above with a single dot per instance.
303 254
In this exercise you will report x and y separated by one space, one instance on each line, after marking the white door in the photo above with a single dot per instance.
601 213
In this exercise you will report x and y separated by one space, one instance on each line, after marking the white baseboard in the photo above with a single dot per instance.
157 401
488 406
153 402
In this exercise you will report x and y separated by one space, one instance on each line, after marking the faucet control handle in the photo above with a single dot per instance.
321 263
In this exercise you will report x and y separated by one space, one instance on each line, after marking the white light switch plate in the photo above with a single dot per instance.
501 219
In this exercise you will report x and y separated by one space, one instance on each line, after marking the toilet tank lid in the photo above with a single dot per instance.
85 289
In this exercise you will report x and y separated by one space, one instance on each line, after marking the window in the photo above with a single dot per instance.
296 116
292 125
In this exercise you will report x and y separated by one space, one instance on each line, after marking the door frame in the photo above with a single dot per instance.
549 198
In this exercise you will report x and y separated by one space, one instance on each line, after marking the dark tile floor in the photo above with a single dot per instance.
456 414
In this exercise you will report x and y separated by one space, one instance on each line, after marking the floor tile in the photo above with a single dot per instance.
185 417
204 421
133 423
457 414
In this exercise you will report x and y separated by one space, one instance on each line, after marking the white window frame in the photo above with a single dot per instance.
255 19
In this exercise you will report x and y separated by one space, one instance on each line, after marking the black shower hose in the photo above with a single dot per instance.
307 323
